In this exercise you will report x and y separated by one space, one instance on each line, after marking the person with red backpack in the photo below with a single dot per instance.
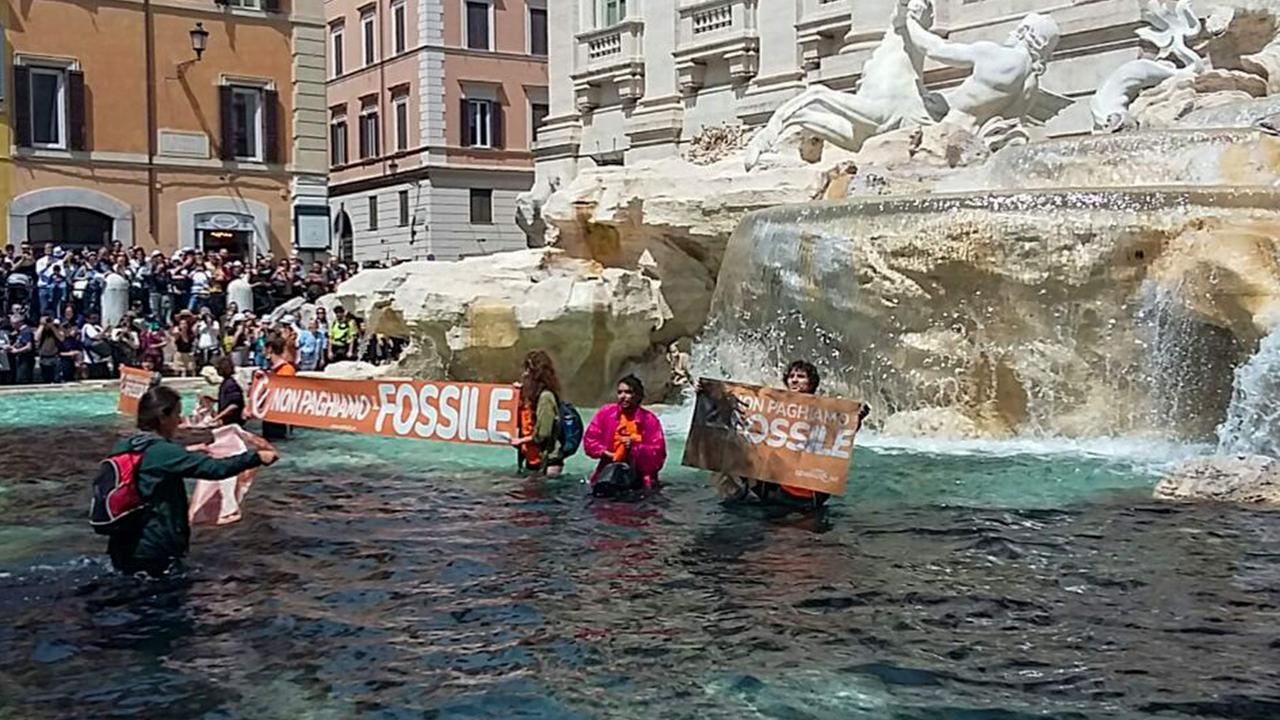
140 497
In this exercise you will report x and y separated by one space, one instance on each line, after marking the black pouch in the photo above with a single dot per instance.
616 480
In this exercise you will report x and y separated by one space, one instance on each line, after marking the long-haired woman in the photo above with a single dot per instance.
538 423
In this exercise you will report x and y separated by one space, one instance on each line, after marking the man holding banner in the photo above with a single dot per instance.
780 448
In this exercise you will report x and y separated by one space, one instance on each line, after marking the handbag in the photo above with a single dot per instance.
616 480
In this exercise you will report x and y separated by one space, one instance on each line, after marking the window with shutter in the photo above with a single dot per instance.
337 41
247 115
47 106
477 17
538 117
537 31
399 26
271 126
369 140
481 206
338 141
22 105
479 121
226 145
76 137
401 105
369 37
497 125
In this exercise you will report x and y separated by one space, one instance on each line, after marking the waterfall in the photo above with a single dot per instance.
1184 366
1252 424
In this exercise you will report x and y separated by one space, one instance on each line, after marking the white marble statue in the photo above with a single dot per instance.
529 211
1002 90
1003 86
890 95
1170 30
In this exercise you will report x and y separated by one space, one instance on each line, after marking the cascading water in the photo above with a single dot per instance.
1252 425
1185 365
997 314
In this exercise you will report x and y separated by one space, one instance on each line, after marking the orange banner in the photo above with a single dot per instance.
450 411
134 383
773 435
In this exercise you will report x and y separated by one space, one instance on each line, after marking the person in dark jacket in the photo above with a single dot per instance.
161 535
230 395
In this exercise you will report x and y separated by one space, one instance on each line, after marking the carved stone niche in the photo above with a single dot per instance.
630 86
690 77
586 97
743 64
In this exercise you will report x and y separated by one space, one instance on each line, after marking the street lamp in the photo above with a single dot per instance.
199 39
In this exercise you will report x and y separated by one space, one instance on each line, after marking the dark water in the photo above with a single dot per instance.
391 579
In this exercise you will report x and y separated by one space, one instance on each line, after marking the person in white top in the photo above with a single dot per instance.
91 337
199 288
207 337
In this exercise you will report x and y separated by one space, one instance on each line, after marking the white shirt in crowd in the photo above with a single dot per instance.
199 282
207 335
88 336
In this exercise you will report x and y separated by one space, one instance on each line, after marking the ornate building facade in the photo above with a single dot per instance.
633 79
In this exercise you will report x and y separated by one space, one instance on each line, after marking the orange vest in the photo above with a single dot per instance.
530 449
627 428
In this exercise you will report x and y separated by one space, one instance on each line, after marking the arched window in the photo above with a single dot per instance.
70 227
346 239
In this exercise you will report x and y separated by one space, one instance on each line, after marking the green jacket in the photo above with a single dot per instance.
545 421
163 533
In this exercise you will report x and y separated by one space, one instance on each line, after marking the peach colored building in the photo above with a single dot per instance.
433 106
122 131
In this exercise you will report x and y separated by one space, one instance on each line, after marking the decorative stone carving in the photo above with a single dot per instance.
529 211
1170 29
1165 105
1001 92
1110 104
891 95
1005 78
714 143
586 98
689 76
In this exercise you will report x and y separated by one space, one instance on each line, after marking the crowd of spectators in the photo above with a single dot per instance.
179 316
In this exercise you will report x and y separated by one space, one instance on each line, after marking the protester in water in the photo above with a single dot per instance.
278 363
801 377
538 424
230 394
161 535
625 432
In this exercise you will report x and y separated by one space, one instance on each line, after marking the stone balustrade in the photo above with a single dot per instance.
713 30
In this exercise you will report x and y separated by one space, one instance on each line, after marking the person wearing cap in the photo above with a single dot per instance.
342 336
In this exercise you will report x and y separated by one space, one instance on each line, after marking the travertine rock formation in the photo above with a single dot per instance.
474 319
1240 479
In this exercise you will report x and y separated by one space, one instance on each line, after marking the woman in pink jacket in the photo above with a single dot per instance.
624 432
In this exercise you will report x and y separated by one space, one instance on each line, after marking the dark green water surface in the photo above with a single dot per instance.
379 578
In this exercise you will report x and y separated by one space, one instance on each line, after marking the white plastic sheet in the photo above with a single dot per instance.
217 502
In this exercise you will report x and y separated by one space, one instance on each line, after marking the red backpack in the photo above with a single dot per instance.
116 501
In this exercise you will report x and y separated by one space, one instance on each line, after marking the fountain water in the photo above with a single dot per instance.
991 314
1252 422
